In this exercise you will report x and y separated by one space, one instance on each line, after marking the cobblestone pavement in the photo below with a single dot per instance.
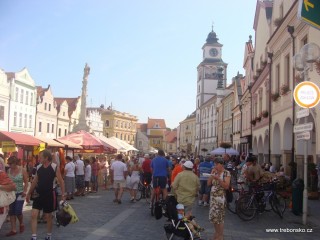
100 218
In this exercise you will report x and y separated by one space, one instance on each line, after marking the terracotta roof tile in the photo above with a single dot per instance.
153 122
171 136
72 103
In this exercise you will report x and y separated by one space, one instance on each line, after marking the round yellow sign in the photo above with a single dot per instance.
307 94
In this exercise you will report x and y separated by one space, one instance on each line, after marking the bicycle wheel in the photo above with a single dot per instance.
147 193
246 207
232 206
278 204
152 209
140 191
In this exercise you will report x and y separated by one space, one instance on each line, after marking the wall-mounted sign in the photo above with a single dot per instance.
307 94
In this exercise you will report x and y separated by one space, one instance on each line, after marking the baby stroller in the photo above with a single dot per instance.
180 228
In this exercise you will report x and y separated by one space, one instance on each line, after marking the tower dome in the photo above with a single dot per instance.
212 37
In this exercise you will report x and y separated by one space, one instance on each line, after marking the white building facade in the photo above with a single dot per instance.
22 102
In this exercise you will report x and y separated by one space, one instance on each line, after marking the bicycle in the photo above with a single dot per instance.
144 191
248 205
236 194
157 205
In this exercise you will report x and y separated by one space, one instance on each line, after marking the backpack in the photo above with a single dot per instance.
228 192
170 207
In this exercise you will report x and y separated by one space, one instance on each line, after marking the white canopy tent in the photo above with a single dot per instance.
126 146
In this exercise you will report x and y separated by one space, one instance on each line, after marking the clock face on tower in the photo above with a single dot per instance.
213 52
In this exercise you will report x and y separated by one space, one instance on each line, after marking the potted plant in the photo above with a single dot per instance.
275 96
265 114
253 122
284 89
277 22
258 118
225 145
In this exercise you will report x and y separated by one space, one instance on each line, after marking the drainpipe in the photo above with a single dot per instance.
9 108
270 55
291 31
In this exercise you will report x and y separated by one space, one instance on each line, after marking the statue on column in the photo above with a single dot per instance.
86 71
82 124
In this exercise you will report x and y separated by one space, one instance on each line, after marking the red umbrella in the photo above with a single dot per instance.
89 142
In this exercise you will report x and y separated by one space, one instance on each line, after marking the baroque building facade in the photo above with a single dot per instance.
119 124
22 102
46 114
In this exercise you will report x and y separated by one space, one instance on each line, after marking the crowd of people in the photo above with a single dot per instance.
203 180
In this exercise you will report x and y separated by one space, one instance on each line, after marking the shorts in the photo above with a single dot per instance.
119 184
15 208
46 202
204 189
159 181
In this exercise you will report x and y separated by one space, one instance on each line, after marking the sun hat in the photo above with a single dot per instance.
180 206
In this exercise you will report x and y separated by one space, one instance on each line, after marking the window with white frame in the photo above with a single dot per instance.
27 97
30 121
1 113
16 98
15 116
20 119
31 99
21 95
25 120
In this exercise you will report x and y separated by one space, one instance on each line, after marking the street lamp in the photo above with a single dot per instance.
302 62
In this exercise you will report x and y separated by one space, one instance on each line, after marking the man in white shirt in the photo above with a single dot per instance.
118 174
79 176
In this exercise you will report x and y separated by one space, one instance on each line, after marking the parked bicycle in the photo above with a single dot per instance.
237 192
144 191
257 200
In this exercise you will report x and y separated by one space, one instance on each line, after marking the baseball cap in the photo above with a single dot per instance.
180 206
188 164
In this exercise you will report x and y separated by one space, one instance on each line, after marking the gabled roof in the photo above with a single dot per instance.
171 136
41 91
72 103
152 122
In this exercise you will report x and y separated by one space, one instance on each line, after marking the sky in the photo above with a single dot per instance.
143 54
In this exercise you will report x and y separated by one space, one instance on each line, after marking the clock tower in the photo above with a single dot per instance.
211 79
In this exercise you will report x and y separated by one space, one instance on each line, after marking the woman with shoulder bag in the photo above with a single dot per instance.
219 182
20 177
6 186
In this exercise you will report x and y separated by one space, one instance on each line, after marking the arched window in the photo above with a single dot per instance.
107 123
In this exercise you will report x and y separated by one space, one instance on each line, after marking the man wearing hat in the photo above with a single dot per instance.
186 186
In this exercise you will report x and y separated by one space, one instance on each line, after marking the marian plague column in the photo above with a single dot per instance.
82 125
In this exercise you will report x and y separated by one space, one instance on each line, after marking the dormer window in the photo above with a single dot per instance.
156 125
